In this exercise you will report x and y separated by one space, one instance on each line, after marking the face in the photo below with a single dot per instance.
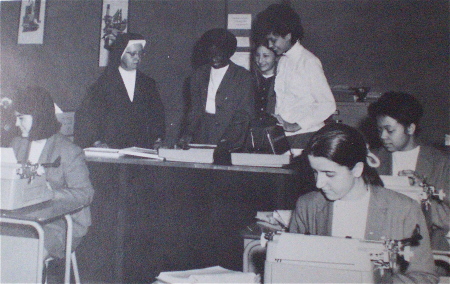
336 181
24 122
279 44
217 57
265 59
132 56
394 135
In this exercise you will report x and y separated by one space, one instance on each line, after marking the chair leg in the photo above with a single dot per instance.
45 271
75 268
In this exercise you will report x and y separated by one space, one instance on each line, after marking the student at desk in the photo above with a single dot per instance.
123 107
352 202
65 169
397 116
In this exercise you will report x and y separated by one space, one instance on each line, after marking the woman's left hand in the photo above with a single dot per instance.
415 179
287 126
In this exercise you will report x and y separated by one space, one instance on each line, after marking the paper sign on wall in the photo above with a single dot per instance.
114 22
31 23
239 21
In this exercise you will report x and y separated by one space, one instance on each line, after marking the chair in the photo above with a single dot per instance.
440 255
73 258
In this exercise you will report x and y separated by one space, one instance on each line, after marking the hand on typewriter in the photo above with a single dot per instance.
414 178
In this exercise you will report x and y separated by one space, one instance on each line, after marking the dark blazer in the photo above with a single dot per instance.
70 181
234 104
391 215
107 114
434 165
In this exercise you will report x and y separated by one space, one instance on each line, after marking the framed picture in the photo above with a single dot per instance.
114 22
31 24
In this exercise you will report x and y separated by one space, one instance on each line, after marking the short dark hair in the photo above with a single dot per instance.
37 101
403 107
279 19
221 38
345 146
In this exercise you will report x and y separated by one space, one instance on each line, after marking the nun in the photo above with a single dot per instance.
123 107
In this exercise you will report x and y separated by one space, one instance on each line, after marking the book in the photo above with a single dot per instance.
261 160
102 152
277 139
193 155
141 152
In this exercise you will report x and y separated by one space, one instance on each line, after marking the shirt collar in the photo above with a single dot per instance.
294 51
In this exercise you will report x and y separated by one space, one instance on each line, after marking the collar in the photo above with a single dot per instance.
295 51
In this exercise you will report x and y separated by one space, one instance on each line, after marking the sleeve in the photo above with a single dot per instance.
76 183
238 128
310 101
323 104
421 267
195 106
88 117
158 113
297 223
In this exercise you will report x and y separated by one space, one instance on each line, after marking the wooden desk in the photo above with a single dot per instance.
37 216
176 216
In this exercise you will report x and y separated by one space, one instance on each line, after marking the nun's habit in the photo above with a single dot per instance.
112 115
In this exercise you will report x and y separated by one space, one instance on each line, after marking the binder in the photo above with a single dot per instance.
277 139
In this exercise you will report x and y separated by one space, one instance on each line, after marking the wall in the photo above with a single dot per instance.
383 44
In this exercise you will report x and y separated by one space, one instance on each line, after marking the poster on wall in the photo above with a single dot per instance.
114 22
31 23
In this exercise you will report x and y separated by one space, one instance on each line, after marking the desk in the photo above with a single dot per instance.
40 214
162 216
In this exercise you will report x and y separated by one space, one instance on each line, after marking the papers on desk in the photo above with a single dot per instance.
192 155
102 152
141 152
215 274
116 153
401 184
276 218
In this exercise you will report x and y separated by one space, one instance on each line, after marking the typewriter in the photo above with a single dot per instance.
22 185
298 258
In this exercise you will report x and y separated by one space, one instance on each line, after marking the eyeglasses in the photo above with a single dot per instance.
134 53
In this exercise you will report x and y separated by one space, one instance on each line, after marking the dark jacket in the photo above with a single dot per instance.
234 106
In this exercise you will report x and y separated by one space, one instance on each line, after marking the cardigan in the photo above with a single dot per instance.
391 215
434 165
70 181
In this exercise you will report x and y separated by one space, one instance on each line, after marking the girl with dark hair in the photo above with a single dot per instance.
397 116
67 174
352 202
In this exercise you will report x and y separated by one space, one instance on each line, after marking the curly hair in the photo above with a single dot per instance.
403 107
